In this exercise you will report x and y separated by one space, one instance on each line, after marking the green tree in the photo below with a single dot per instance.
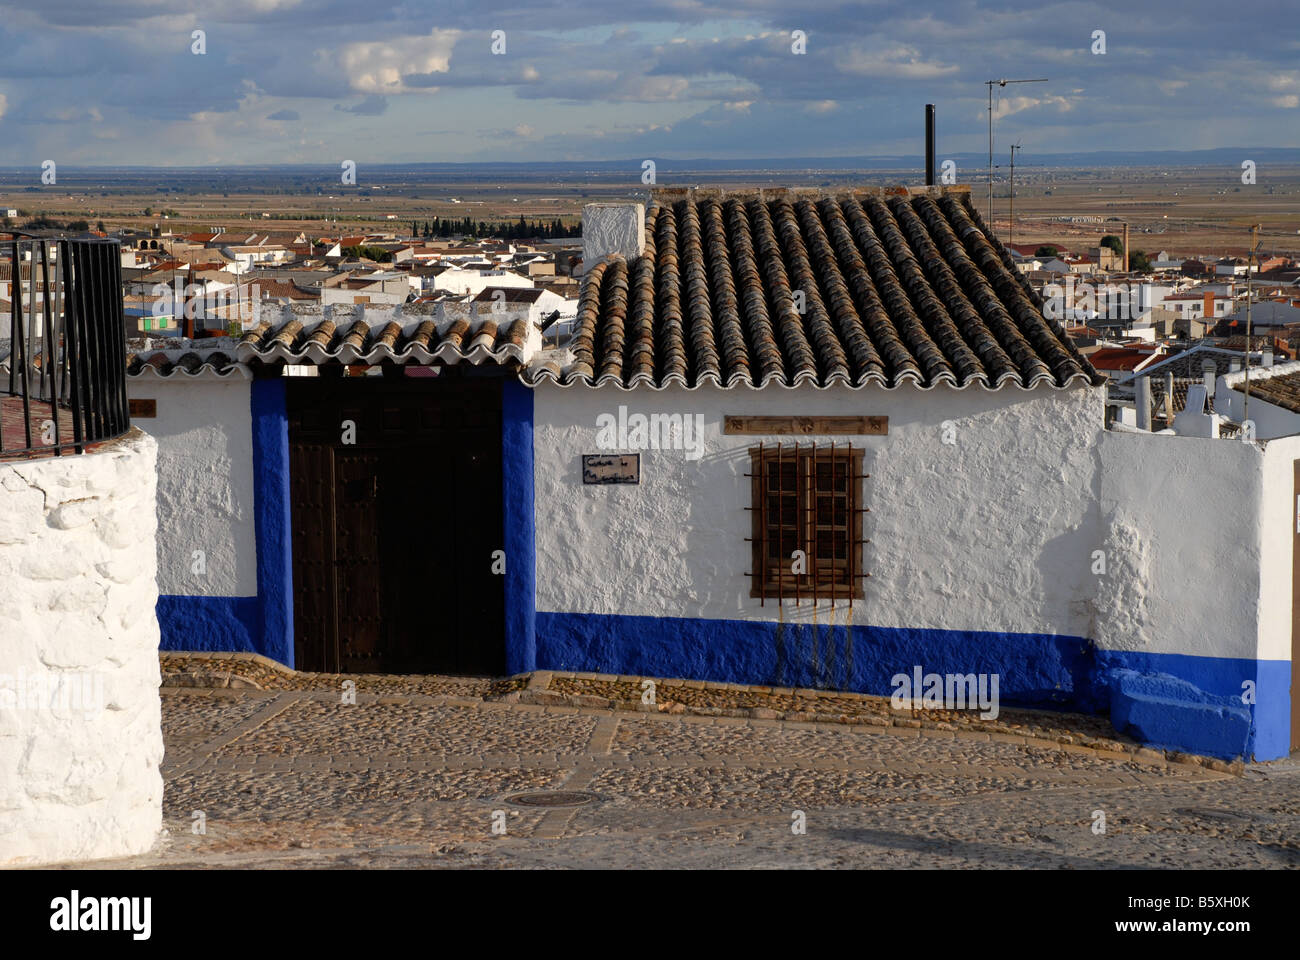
1045 251
1114 242
1139 261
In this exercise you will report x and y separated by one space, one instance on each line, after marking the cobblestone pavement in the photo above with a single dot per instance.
294 778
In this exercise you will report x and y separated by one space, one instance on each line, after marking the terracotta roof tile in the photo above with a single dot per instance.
793 287
1282 391
412 340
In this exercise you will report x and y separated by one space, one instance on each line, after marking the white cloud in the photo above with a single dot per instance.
822 106
4 104
894 62
1009 105
1290 101
380 67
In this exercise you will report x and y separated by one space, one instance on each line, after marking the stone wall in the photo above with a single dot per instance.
80 721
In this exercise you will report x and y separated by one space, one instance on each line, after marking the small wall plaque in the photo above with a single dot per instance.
823 426
142 407
604 468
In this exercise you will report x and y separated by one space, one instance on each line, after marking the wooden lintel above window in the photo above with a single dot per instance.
807 426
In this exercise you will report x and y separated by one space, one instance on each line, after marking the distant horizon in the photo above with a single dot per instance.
846 162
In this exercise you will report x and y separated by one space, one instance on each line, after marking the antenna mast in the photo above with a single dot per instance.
990 84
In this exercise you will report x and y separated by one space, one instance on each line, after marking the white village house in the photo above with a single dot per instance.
796 438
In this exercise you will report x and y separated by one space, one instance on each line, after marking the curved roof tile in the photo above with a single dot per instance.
767 288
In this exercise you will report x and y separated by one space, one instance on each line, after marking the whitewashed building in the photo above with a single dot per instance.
796 438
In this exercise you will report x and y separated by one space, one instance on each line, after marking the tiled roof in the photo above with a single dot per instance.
509 294
897 288
1282 391
1179 395
163 364
1190 364
446 339
285 289
1119 358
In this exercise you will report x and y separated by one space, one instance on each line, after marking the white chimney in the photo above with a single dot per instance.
1234 366
612 228
1267 358
1144 403
1208 369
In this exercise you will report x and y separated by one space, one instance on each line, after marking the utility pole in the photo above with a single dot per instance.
1250 261
990 84
1011 217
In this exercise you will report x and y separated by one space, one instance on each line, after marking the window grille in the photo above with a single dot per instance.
809 499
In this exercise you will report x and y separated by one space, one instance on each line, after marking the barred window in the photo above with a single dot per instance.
806 499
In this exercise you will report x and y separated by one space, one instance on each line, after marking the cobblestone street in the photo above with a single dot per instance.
297 779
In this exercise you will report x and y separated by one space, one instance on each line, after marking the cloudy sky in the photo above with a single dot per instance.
293 81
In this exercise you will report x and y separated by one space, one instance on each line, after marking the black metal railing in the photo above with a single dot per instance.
62 347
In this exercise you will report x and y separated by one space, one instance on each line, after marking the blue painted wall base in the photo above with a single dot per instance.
264 623
1179 702
209 624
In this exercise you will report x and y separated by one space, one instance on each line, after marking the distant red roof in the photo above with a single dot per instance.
1120 358
1031 249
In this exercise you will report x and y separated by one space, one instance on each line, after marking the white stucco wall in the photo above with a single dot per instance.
79 777
1278 524
1182 526
992 532
205 483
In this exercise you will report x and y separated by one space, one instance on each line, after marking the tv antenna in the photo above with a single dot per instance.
990 84
1011 217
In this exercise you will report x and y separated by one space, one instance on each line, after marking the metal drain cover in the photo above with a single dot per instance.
552 799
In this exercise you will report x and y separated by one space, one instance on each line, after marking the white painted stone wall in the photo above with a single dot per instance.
80 723
205 483
1279 521
612 228
1183 519
994 531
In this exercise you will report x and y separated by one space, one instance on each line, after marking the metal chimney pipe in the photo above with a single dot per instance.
929 144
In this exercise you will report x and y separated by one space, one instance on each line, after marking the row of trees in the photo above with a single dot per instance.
521 230
365 252
45 223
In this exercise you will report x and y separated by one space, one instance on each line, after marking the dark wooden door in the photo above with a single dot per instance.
311 468
394 533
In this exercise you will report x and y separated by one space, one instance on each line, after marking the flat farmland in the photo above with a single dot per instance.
1190 210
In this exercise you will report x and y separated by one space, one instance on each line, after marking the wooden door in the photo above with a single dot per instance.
315 612
394 532
358 569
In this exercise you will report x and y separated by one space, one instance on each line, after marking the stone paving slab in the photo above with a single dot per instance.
565 692
295 778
